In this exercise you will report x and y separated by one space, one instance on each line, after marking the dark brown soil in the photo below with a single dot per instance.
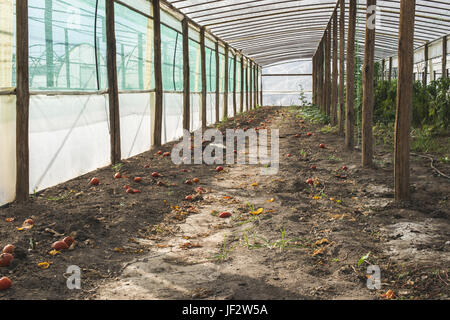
157 245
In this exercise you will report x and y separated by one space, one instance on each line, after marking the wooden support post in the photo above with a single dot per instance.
350 112
241 107
425 70
261 89
250 84
444 58
225 107
247 97
255 72
203 70
314 85
390 70
334 85
157 122
22 103
186 77
321 77
217 82
234 84
342 67
383 69
113 91
368 87
404 99
328 71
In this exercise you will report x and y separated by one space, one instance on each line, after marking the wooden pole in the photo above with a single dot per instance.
114 114
217 83
157 123
234 84
256 85
225 107
22 103
186 77
321 77
404 99
334 85
261 89
250 84
328 71
247 97
341 67
425 70
444 58
203 70
241 107
383 68
390 69
368 87
314 79
350 112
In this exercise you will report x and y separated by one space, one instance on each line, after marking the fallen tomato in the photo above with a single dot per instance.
166 154
69 240
28 222
5 259
59 245
155 175
196 180
188 182
138 179
184 170
94 182
160 184
225 215
5 283
313 168
160 152
309 134
344 168
9 248
189 198
322 146
118 175
310 181
219 169
126 187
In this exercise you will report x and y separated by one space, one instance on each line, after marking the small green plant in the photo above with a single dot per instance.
223 255
303 153
117 167
363 259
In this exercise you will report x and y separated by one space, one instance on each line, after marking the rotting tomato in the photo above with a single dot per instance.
138 179
9 248
69 240
60 245
189 198
225 215
5 259
94 182
5 283
219 169
118 175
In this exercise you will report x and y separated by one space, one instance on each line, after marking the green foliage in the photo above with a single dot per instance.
314 115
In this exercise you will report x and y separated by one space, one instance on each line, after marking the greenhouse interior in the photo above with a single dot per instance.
95 95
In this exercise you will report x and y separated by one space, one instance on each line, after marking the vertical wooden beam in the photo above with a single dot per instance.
321 77
341 67
234 84
314 79
186 77
425 70
250 84
157 122
203 70
368 87
334 85
350 112
217 82
241 107
255 72
225 107
390 70
113 89
22 103
261 89
247 97
404 99
383 68
444 58
328 71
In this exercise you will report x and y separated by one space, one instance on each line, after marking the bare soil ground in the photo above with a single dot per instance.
305 244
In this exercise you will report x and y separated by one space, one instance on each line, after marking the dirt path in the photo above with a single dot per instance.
305 244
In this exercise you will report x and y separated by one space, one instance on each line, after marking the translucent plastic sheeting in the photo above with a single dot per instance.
211 108
7 33
172 121
273 99
210 70
69 136
221 106
195 66
66 51
134 42
172 59
135 122
8 145
195 111
230 105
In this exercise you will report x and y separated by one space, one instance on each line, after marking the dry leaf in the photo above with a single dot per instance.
54 252
322 241
257 212
319 251
388 295
44 265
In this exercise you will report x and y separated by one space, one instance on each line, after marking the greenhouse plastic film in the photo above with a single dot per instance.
8 145
172 121
69 136
135 123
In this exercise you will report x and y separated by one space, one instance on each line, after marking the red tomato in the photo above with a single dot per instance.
127 187
69 240
60 245
310 181
9 248
184 170
5 259
313 168
118 175
224 215
322 146
189 198
29 221
160 184
344 168
166 154
155 174
188 182
218 169
160 152
138 179
309 134
5 283
94 182
196 180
